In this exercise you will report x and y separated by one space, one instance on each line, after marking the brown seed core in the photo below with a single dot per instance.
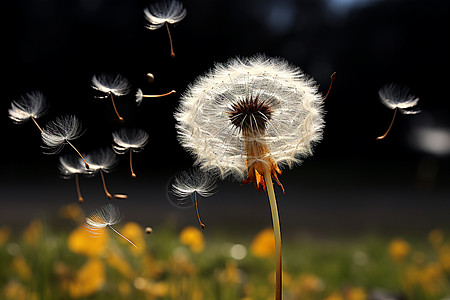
251 115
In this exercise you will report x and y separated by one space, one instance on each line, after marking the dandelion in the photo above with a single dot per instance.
107 216
103 161
71 166
140 96
111 85
186 185
163 13
61 131
249 117
132 140
32 106
397 97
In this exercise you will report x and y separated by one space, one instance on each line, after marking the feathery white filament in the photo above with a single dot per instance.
159 13
204 121
30 105
70 165
111 84
125 139
102 159
187 183
60 131
107 215
397 96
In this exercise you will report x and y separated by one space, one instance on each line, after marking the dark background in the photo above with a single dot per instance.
353 182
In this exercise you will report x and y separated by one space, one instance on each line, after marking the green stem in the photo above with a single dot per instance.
277 232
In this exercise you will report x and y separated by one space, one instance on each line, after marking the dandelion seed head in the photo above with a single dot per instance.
253 105
58 132
129 139
29 105
107 215
70 165
397 96
186 183
139 96
102 159
159 13
111 84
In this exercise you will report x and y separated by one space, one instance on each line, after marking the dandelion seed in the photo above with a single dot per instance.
150 77
61 131
69 166
140 95
165 13
102 161
132 140
186 185
111 85
148 230
399 98
32 106
107 216
249 117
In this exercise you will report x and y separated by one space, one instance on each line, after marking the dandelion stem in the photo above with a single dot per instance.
196 209
331 83
122 236
131 164
277 233
115 109
390 126
104 185
77 183
161 95
34 120
76 150
172 54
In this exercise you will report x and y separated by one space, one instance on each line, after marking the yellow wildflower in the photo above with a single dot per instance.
191 236
307 284
71 212
88 280
263 245
120 264
5 233
399 249
21 267
33 232
334 296
134 232
356 293
80 241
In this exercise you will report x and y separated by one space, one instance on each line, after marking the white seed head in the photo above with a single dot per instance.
58 132
397 96
29 105
139 96
111 84
186 183
125 139
252 100
102 159
70 164
107 215
159 13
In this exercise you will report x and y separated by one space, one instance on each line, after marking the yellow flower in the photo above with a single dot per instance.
120 264
399 249
334 296
80 241
21 267
191 236
88 280
436 237
356 293
134 232
16 291
5 233
71 212
263 245
33 232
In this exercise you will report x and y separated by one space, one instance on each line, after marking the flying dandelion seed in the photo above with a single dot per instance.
148 230
187 184
140 95
132 140
103 161
399 98
107 216
150 77
249 117
71 166
61 131
32 106
110 85
164 13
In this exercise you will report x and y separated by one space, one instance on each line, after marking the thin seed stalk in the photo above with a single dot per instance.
108 194
172 54
115 109
131 164
78 152
34 120
77 183
122 236
390 126
277 233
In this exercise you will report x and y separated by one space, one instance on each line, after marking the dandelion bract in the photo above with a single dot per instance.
31 105
164 13
132 140
399 98
107 216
